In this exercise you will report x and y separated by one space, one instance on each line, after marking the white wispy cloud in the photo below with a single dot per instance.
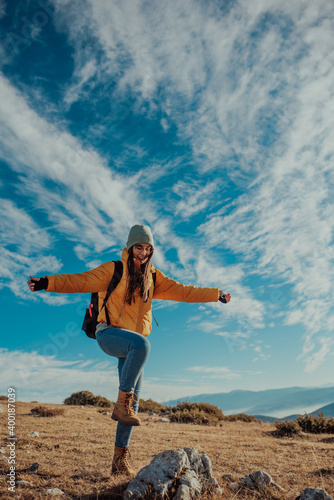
39 149
313 360
85 74
18 228
260 355
48 379
194 198
2 8
20 231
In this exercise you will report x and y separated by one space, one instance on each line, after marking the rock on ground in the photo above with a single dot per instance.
33 468
180 474
54 491
33 434
23 483
314 494
258 479
234 486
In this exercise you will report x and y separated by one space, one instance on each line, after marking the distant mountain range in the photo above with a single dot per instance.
265 404
327 410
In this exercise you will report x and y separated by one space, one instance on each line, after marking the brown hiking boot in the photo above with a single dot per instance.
120 464
123 411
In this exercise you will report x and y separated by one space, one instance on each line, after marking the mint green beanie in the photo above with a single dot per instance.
139 234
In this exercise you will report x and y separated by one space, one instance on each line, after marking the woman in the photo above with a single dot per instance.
130 315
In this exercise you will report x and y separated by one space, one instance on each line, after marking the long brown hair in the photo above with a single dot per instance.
138 279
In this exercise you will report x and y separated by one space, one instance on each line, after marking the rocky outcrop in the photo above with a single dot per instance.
314 494
183 473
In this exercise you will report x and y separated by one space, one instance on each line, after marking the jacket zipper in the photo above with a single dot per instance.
139 317
120 314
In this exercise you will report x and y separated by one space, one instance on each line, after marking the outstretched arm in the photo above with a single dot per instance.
92 281
169 289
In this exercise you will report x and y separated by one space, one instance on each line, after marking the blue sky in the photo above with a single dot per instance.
213 123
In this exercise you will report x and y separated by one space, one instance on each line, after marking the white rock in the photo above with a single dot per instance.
33 434
55 491
227 476
259 479
234 486
1 409
3 451
164 419
256 479
184 468
314 494
21 482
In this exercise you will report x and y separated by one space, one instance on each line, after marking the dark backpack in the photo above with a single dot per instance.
90 320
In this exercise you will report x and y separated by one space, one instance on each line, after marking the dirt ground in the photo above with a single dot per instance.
74 453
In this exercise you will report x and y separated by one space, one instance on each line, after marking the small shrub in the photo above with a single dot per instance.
3 397
103 402
150 405
84 398
206 407
288 428
196 413
316 424
43 411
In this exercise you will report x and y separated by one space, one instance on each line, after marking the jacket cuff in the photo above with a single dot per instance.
51 283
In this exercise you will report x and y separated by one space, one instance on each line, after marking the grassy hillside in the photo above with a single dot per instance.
74 451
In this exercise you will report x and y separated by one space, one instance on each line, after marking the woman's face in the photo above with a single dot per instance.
142 251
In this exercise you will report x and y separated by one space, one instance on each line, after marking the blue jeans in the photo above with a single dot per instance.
132 350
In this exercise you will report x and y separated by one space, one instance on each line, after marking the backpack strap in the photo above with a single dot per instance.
118 273
154 276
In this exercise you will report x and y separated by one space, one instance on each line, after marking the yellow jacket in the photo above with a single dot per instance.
138 316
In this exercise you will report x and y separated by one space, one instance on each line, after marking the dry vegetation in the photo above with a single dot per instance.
74 451
88 398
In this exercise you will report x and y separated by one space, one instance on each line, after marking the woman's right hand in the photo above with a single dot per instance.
224 297
36 284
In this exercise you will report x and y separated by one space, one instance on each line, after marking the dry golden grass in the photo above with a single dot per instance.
74 453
